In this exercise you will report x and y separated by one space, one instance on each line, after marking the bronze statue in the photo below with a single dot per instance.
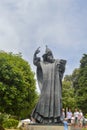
49 74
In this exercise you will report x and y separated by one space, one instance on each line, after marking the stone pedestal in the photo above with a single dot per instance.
46 127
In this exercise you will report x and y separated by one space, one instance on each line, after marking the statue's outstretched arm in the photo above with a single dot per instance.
36 59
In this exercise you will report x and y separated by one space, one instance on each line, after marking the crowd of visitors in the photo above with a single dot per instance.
75 118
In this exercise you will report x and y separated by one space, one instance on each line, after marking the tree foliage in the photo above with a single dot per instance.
68 94
72 89
82 83
17 85
78 81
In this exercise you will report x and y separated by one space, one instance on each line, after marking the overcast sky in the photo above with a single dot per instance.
61 24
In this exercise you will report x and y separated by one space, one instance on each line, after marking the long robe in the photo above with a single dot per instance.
49 75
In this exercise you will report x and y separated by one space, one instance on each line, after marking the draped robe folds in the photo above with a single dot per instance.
49 75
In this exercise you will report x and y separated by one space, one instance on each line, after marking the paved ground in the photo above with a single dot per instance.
73 128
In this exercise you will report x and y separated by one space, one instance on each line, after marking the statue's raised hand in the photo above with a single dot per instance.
37 51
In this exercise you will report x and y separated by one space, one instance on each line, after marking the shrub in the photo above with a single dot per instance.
86 115
10 123
3 117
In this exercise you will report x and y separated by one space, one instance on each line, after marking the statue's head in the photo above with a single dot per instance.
48 56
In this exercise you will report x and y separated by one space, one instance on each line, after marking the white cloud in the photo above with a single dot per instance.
8 37
61 24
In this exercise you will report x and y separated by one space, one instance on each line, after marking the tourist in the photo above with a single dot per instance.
73 120
76 114
69 116
63 114
80 118
65 122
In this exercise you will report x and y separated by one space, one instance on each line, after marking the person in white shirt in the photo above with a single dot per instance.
73 119
69 116
80 118
76 114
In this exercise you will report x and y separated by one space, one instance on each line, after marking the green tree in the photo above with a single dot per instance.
68 97
17 85
77 93
68 78
75 76
82 83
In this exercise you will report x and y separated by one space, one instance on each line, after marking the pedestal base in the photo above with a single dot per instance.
46 127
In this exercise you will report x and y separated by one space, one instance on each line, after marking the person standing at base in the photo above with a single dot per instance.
69 116
73 120
63 114
65 122
76 114
80 118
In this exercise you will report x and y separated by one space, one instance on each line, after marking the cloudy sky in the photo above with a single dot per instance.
61 24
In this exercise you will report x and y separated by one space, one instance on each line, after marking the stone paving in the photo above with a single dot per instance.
73 128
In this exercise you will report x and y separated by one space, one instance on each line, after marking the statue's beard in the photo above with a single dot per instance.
50 59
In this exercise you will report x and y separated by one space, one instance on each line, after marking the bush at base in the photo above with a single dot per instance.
10 123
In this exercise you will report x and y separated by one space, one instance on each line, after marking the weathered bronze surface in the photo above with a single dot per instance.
49 75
